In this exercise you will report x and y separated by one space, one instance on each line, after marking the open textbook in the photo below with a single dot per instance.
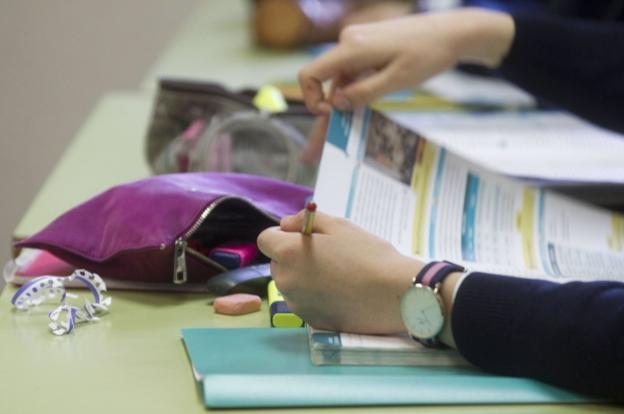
429 202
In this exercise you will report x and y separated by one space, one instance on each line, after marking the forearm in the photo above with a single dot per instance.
576 64
482 36
447 293
572 63
571 335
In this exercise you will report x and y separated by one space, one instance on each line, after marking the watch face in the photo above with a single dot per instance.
422 312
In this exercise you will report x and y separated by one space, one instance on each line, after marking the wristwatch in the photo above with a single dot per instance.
422 309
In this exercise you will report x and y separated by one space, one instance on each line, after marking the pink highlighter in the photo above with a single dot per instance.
234 255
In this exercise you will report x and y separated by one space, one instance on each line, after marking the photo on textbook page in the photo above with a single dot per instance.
391 148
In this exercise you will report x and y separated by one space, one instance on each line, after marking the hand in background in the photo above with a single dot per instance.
340 277
371 60
313 149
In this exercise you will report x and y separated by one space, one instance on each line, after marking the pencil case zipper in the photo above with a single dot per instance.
180 271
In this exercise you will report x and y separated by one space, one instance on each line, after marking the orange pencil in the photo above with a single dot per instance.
308 218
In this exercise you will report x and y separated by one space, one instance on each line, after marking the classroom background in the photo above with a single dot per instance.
57 60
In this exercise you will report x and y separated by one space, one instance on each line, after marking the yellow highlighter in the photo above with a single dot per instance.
270 99
281 316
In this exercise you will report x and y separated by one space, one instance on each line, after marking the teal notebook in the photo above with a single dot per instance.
268 367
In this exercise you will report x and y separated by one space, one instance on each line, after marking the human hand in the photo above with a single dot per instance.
313 149
340 277
371 60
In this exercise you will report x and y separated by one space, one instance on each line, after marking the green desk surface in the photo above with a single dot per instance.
133 361
215 44
107 150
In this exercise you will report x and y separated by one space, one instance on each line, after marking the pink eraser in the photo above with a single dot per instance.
237 304
234 255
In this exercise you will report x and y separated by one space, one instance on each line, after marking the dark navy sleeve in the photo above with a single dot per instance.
570 335
577 65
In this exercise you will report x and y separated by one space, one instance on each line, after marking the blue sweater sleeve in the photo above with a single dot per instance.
570 335
575 64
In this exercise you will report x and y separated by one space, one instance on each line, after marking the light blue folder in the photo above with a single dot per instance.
267 367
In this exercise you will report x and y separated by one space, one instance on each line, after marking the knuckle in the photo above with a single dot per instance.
352 35
307 80
303 75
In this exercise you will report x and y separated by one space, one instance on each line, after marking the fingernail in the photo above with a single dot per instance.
341 102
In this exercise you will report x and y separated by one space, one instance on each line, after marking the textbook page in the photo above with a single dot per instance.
464 88
433 204
549 146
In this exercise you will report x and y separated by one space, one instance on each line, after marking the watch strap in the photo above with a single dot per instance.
435 272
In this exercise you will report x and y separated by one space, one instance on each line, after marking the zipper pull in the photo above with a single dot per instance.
179 264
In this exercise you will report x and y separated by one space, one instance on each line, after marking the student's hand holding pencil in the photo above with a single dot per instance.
340 276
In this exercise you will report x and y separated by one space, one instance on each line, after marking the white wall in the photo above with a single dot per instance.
56 58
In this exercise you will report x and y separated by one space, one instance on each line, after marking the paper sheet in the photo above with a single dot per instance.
552 146
464 88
